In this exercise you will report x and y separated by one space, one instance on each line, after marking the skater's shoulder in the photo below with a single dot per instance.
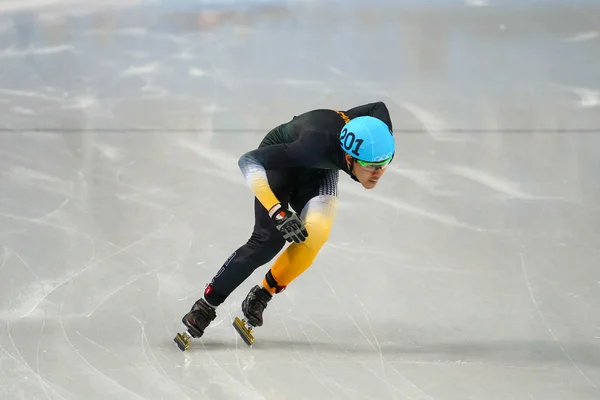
374 103
367 108
330 119
317 122
336 112
316 115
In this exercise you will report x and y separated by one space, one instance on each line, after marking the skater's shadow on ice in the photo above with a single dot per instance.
517 352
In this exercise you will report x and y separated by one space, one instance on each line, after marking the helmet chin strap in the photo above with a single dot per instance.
352 170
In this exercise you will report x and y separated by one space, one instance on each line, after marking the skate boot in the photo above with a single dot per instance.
196 321
255 303
253 306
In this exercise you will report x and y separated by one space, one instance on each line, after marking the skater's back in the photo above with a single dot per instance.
318 132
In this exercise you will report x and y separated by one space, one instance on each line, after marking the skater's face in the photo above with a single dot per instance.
368 176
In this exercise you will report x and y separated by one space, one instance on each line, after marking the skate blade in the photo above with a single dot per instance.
183 341
244 330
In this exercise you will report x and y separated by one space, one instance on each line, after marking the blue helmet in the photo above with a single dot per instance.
368 139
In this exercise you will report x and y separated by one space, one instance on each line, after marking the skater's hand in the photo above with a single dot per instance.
287 222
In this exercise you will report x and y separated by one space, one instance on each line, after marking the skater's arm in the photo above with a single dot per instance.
377 109
306 151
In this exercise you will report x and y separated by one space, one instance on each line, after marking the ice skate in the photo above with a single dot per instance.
196 321
252 307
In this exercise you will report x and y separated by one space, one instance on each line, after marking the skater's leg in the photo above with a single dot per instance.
315 195
318 215
318 202
264 244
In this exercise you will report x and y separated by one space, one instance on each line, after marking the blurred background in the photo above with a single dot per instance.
471 272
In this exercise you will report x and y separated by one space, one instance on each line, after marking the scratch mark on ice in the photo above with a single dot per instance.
539 311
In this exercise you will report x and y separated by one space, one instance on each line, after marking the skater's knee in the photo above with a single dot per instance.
319 215
266 242
319 230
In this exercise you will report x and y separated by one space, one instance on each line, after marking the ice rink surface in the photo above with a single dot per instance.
471 272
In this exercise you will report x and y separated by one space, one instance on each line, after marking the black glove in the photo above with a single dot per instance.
287 222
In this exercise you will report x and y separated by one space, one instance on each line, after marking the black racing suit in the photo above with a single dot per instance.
295 163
